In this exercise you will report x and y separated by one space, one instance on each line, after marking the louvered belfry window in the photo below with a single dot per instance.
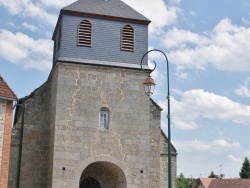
84 33
127 38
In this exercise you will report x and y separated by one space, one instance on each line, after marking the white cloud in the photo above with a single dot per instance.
21 49
174 1
181 38
247 153
29 26
219 145
244 90
234 159
166 15
27 8
157 11
192 13
11 24
245 21
224 47
57 3
246 4
184 125
223 144
195 105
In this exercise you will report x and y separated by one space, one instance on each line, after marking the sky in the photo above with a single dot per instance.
208 48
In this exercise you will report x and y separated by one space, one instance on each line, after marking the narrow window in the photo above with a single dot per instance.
84 33
127 38
104 118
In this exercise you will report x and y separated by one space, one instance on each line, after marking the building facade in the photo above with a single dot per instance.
90 124
7 96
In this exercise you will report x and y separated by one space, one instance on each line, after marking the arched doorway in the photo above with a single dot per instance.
102 175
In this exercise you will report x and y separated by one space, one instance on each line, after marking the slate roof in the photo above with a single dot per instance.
5 91
109 8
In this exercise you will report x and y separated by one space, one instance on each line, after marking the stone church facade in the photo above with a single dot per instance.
91 124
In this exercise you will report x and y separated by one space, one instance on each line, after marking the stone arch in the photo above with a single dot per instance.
103 174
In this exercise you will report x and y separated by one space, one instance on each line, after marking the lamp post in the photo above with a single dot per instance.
149 89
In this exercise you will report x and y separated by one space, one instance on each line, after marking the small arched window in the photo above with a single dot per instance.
127 38
104 118
84 33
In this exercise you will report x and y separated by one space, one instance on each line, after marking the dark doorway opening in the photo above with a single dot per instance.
102 174
90 182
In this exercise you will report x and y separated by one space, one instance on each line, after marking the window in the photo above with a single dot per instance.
127 38
104 118
84 33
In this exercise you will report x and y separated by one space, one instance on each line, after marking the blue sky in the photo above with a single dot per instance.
207 44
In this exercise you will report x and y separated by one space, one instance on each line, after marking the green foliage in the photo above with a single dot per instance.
183 182
212 175
245 169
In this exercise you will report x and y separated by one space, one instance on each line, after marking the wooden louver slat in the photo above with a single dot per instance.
127 38
84 33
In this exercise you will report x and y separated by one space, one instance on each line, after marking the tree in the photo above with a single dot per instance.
212 175
245 169
183 182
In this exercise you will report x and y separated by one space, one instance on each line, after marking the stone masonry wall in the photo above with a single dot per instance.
14 154
53 102
164 162
35 147
155 131
134 135
63 143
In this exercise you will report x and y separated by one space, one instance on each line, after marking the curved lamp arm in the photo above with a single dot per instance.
156 50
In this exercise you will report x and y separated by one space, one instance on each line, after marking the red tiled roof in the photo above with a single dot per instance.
230 183
5 91
206 181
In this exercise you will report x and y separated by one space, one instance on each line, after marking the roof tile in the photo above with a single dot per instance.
206 181
5 91
230 183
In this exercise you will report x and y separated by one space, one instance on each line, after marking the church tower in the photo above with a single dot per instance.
90 124
100 32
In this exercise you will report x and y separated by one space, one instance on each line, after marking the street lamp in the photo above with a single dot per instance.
149 85
149 89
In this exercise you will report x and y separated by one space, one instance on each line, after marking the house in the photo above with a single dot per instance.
7 97
223 183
